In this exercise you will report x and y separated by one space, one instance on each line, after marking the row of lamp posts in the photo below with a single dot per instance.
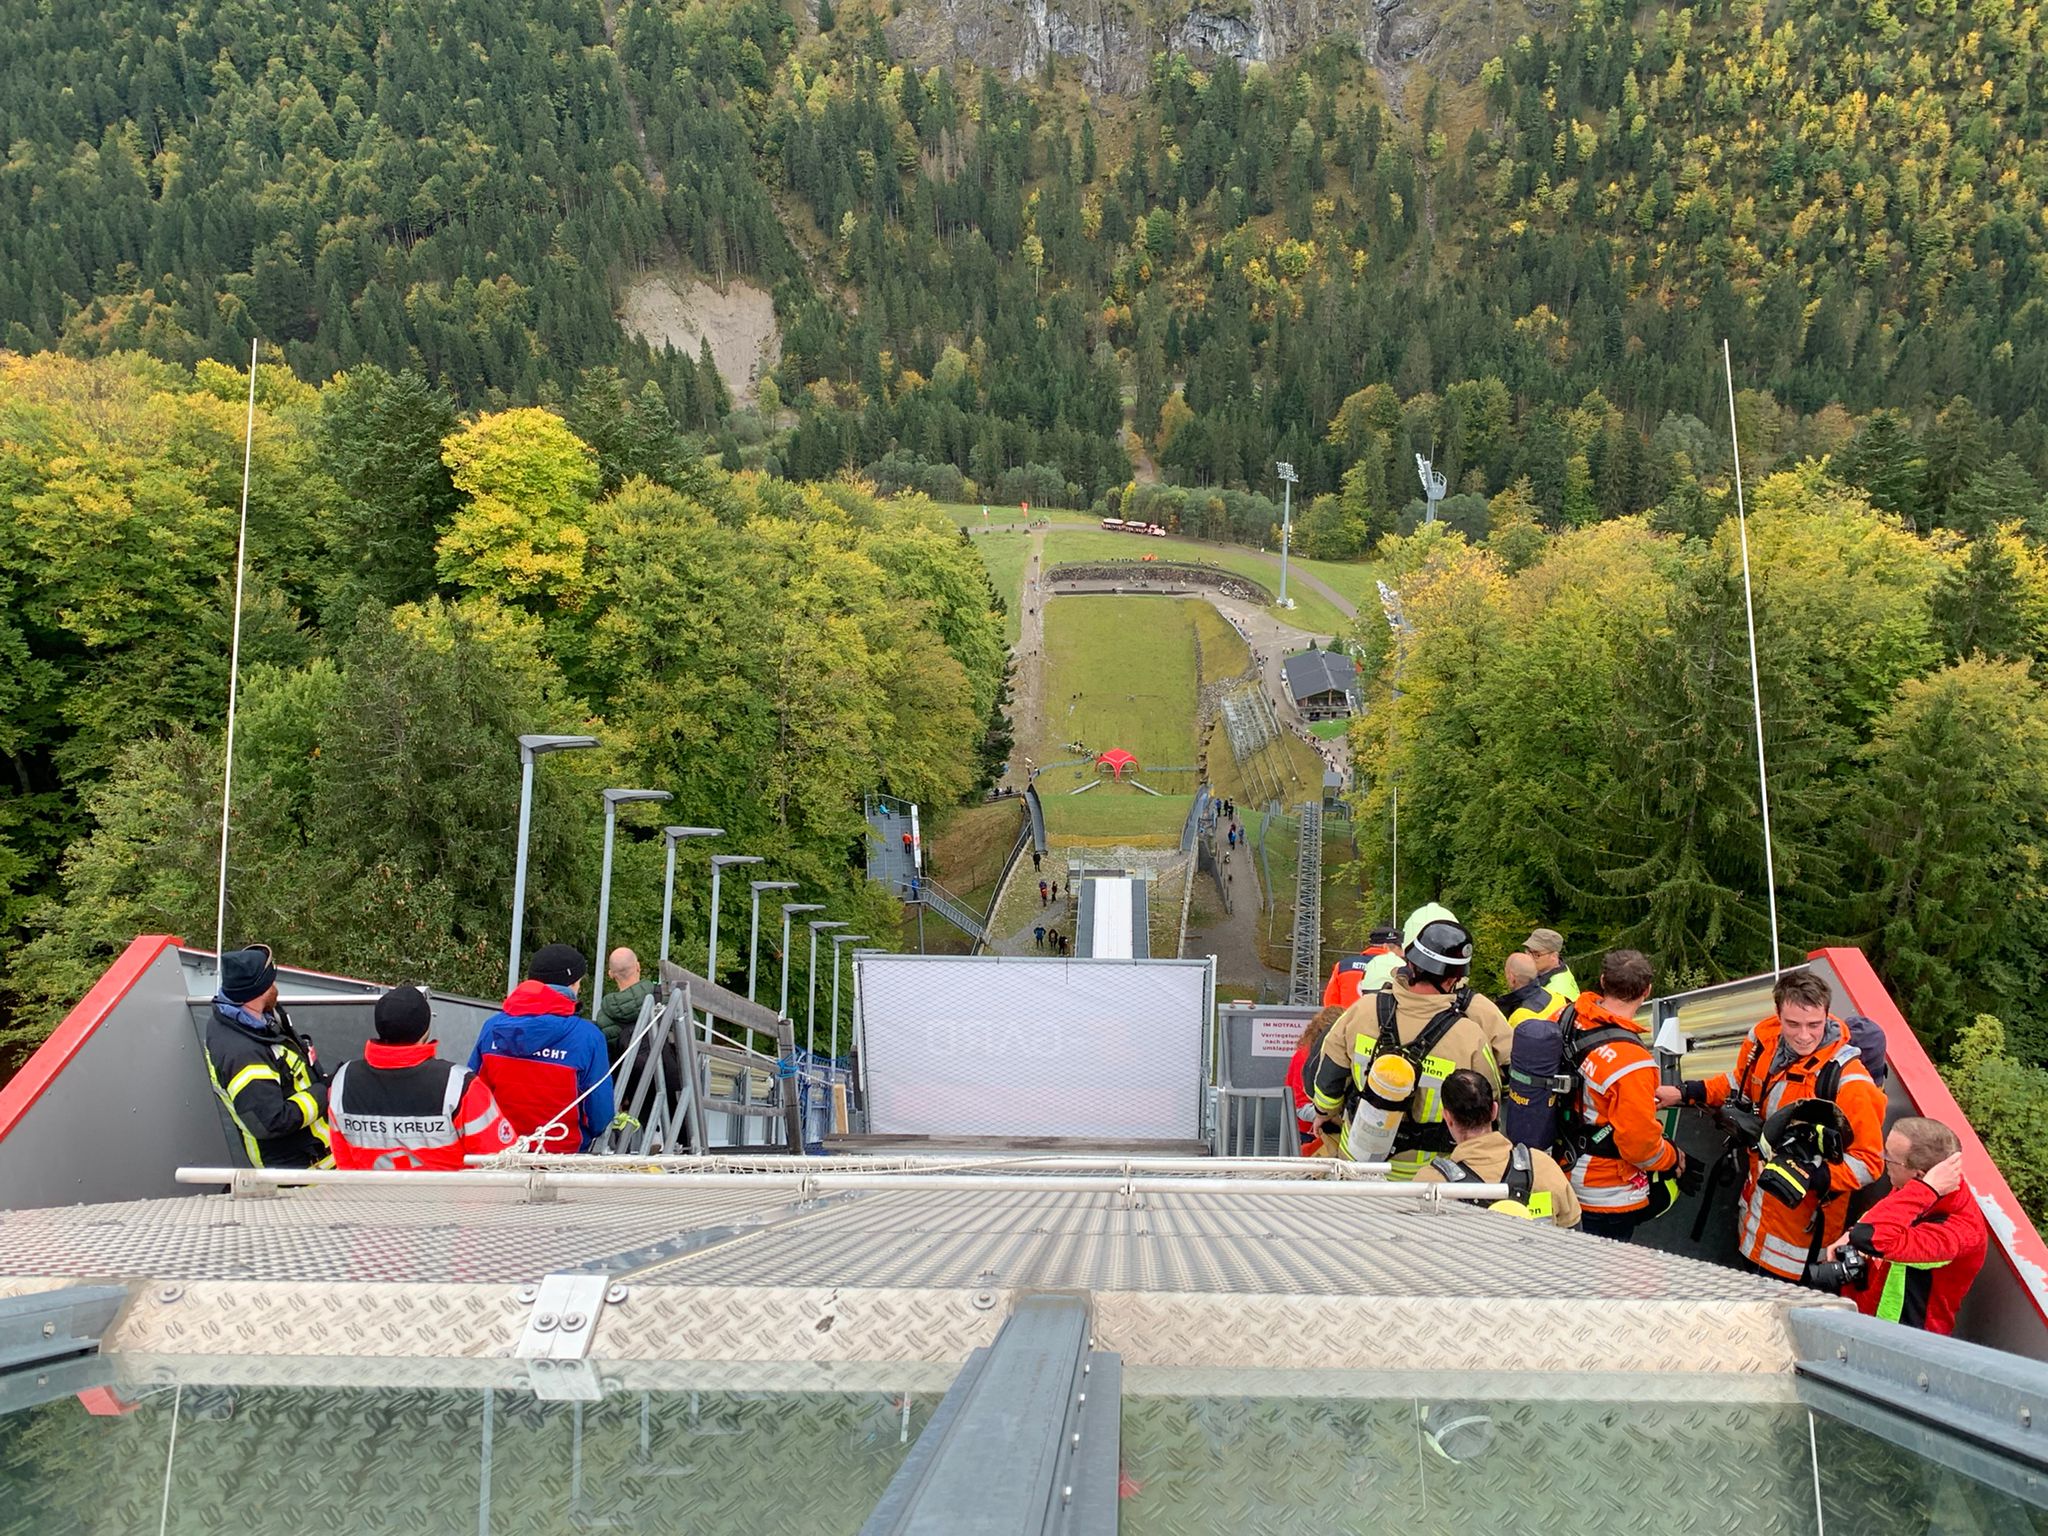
531 749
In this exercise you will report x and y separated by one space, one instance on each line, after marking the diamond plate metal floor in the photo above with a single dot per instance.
1224 1278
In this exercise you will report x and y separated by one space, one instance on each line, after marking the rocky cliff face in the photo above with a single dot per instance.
1112 42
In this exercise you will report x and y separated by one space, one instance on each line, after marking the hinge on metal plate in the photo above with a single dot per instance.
564 1317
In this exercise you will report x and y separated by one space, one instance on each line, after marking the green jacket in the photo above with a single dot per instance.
620 1011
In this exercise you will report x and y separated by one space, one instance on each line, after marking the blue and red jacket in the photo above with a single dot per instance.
537 1055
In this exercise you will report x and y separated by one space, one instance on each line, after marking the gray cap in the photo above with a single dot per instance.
1544 941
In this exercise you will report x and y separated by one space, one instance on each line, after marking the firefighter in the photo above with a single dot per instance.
1795 1199
263 1071
1538 1188
1348 975
1626 1171
1423 1017
401 1106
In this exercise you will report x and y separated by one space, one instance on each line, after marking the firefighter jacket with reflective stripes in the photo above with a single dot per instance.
1772 1235
1347 1059
1925 1251
265 1079
1357 973
401 1106
1618 1097
1486 1158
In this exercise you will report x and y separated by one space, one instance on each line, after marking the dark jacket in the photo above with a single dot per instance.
1532 995
536 1055
1925 1251
275 1096
620 1011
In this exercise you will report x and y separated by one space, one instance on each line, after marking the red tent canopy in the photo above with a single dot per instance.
1116 760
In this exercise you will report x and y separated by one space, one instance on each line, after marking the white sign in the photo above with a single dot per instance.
1276 1037
1005 1045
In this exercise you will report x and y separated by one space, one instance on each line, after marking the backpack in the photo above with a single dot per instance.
1544 1098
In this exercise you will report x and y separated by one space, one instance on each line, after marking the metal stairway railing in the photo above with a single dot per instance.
950 907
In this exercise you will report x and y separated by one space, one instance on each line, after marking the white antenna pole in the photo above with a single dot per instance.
220 911
1756 692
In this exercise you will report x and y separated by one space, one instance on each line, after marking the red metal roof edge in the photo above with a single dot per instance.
2010 1224
21 1091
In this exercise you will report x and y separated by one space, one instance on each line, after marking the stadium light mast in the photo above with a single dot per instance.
1397 623
811 985
719 861
789 910
671 836
839 940
1433 487
530 747
1287 482
754 933
613 799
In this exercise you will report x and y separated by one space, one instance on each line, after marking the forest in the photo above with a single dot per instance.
482 499
423 586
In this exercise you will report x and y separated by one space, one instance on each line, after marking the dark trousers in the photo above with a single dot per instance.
1621 1225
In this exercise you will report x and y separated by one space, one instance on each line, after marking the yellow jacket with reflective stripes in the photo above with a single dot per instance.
274 1097
1348 1046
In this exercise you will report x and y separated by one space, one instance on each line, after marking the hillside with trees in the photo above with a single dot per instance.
478 494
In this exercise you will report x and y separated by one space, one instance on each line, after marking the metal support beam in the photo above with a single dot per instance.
47 1326
1027 1440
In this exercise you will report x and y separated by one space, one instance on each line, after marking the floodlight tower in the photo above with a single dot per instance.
1433 486
1287 482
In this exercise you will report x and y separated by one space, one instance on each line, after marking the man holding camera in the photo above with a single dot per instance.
1822 1127
1913 1256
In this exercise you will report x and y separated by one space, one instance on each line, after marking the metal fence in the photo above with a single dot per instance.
1254 1107
1305 984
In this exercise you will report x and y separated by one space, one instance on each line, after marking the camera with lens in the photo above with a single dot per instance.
1846 1272
1739 1116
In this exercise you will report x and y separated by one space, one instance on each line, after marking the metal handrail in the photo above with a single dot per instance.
540 1180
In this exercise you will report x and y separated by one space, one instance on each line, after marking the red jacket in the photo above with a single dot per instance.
401 1106
1926 1250
539 1057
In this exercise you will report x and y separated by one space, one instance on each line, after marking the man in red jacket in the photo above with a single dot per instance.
1926 1240
402 1106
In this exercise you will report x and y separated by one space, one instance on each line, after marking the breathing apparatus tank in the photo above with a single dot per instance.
1382 1102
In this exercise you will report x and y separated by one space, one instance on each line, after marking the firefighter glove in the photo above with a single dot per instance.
1693 1093
1790 1179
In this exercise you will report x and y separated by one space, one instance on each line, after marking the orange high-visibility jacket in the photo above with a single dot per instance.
1618 1089
1771 1235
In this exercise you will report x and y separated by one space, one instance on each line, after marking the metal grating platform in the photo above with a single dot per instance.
1224 1278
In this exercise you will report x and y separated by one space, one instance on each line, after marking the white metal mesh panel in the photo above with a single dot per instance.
994 1045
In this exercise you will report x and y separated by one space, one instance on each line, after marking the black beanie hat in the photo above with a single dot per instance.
404 1015
246 974
560 965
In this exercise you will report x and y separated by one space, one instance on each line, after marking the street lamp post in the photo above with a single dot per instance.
672 836
789 910
1287 482
837 940
754 933
530 747
613 799
719 861
811 986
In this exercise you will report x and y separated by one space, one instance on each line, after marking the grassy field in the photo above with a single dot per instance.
1006 555
1114 814
1313 612
1328 730
1002 517
1122 674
